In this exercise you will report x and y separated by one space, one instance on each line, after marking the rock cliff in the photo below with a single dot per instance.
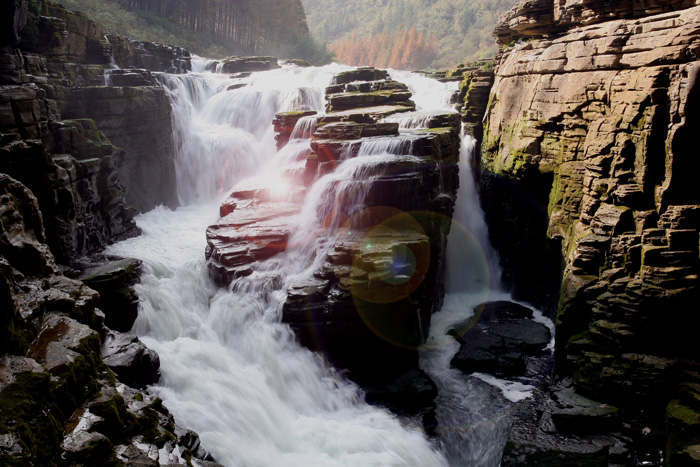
62 198
588 175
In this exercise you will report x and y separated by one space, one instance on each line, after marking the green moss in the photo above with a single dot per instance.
117 420
29 410
679 413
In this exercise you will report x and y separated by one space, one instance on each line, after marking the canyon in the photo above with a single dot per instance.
291 279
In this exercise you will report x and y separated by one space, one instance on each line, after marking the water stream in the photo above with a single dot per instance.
230 370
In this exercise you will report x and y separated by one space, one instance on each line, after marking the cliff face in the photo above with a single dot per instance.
588 153
62 197
49 67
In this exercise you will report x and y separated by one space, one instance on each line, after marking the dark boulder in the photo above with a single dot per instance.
248 64
134 363
114 281
499 339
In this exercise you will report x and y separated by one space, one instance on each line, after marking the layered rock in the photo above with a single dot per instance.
61 198
59 401
248 64
138 120
74 175
591 117
367 307
61 52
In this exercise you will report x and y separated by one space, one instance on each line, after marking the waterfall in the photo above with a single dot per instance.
230 370
472 419
469 237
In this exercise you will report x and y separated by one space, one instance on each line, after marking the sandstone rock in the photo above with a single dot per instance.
252 232
129 53
592 116
284 124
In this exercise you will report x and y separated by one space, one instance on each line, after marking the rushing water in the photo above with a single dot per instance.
230 370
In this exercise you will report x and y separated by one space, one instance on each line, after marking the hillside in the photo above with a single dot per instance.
212 28
462 29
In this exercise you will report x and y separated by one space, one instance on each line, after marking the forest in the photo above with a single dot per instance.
455 31
213 28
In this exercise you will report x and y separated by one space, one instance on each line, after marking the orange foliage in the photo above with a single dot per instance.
405 49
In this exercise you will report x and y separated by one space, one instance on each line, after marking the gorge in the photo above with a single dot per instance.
311 274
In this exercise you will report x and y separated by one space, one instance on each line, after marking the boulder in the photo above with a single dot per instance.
248 64
134 364
360 74
114 282
499 339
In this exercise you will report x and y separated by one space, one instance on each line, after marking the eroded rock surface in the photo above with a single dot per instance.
590 116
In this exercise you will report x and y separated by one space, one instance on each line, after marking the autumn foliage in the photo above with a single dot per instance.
405 49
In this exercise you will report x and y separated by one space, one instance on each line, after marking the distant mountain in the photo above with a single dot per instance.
460 29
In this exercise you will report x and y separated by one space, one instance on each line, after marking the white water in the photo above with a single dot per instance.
231 371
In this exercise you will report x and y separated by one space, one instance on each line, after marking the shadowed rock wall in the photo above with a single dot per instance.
587 145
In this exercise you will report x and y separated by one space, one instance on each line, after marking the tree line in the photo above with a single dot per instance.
248 26
404 49
462 28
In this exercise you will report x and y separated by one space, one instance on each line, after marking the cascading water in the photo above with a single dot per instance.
230 370
473 411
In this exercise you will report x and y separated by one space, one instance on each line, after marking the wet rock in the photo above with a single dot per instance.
284 124
129 53
360 74
411 394
134 364
297 62
114 282
499 339
233 87
253 232
129 77
248 64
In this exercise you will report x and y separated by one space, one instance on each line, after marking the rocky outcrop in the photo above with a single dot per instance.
128 53
367 306
587 158
59 65
138 120
59 400
73 173
502 339
248 64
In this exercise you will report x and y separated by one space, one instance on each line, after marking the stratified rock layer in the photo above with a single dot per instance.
367 307
588 145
